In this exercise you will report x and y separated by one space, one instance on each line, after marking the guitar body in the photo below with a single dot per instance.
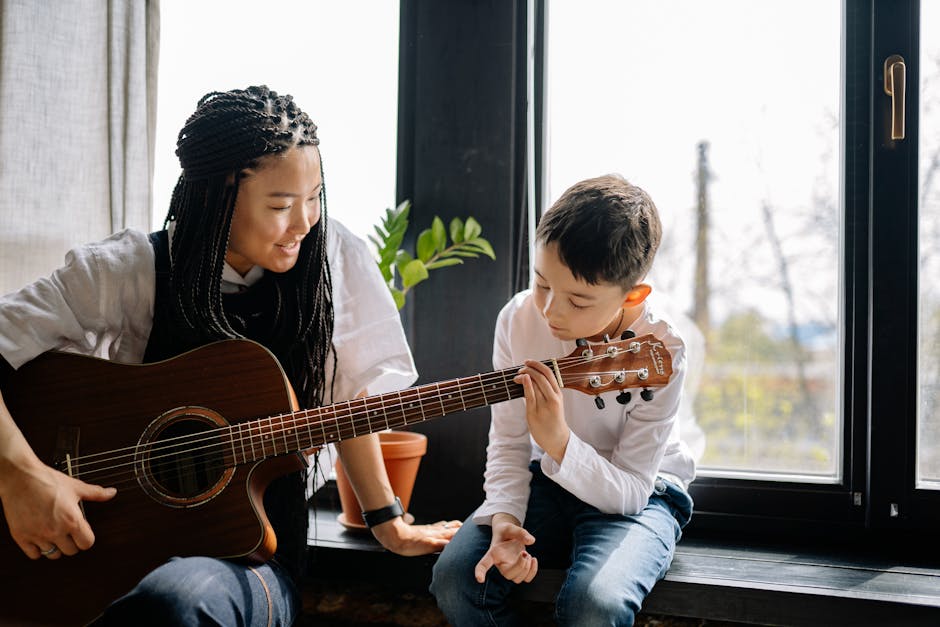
71 407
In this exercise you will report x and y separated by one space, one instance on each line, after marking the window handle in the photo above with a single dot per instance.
895 77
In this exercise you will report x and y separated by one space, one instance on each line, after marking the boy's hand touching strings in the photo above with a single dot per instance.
544 408
507 552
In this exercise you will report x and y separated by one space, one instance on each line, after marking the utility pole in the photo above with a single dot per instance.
701 287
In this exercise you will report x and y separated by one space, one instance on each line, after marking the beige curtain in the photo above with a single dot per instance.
77 120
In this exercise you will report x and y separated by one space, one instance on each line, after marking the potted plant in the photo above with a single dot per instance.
436 247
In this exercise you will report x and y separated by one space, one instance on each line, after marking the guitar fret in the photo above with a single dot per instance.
262 436
232 441
506 384
385 413
352 423
284 430
460 393
251 441
440 399
241 438
483 389
362 414
421 406
293 422
323 429
272 436
401 404
309 433
260 441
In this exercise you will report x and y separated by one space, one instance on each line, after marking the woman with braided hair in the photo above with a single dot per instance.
246 252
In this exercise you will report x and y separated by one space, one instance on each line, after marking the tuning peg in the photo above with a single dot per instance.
624 397
587 352
606 339
626 335
599 402
647 394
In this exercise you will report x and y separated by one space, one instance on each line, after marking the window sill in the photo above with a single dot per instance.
715 579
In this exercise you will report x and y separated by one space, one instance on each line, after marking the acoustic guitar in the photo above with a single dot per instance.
192 442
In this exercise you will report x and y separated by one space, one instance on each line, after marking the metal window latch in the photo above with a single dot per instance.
895 77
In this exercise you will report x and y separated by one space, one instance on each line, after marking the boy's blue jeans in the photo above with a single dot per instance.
613 561
206 591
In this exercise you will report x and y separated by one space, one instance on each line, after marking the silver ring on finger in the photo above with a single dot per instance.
50 551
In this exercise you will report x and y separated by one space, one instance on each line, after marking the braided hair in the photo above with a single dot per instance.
229 133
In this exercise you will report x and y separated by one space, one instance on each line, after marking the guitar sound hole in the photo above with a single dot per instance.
184 466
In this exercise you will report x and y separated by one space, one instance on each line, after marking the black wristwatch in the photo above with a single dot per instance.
383 514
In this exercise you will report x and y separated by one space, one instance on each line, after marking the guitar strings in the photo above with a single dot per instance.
218 443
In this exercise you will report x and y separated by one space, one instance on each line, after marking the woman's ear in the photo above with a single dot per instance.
637 294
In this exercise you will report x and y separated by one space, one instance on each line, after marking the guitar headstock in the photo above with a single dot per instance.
639 362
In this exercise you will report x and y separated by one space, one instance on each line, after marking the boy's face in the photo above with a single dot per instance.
573 308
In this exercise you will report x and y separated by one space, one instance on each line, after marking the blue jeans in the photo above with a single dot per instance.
612 561
207 591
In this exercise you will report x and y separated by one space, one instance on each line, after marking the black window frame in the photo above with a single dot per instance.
462 151
879 308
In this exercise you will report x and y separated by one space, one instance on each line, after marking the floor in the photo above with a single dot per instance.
342 603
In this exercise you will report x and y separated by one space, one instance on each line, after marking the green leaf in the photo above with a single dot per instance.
461 252
471 229
403 258
441 263
398 296
426 245
440 234
386 272
413 273
394 241
456 230
483 246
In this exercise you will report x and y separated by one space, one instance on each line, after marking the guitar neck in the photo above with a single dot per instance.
313 428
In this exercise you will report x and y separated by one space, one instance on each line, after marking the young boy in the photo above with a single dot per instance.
599 488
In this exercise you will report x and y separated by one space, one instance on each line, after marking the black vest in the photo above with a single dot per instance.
259 313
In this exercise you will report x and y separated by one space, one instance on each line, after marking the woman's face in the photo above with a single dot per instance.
278 203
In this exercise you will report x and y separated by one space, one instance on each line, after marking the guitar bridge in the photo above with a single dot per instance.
66 450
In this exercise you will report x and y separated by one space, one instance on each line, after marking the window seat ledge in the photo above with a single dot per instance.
709 579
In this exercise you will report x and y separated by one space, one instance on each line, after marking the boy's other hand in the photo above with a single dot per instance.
507 553
544 408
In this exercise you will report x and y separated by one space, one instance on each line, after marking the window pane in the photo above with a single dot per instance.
728 114
340 62
928 450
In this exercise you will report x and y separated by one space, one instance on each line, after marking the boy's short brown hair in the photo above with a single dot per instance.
607 230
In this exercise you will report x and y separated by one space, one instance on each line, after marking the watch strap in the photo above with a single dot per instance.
383 514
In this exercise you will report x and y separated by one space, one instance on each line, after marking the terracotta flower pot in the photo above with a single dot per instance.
402 452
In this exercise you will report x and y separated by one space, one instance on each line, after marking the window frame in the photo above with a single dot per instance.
879 293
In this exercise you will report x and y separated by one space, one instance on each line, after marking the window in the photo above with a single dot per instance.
737 143
928 448
293 47
792 219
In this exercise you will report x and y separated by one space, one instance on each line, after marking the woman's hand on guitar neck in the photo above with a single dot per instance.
42 506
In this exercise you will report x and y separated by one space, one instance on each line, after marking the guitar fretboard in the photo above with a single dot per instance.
312 428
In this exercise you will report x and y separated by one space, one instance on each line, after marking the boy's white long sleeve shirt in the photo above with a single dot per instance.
613 455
